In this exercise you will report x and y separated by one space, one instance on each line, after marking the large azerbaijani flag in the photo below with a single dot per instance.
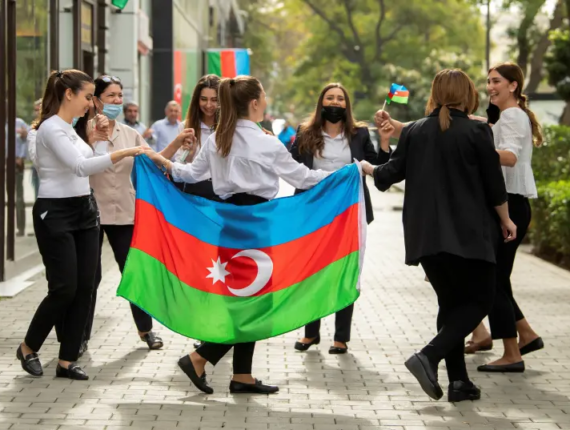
228 63
229 274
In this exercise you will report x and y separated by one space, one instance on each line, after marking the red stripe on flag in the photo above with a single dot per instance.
228 64
189 258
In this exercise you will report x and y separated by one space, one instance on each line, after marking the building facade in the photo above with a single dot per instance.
156 47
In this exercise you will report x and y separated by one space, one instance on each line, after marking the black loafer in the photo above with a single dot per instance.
257 388
535 345
72 372
503 368
30 363
459 391
83 348
199 381
338 350
420 366
300 346
153 341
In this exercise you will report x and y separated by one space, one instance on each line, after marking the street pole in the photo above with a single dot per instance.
11 159
2 134
488 44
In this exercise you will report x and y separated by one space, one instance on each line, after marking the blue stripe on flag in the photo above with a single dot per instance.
242 62
248 227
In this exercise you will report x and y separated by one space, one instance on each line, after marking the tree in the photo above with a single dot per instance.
358 42
558 67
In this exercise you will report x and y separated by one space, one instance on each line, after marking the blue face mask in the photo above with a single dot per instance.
112 111
74 120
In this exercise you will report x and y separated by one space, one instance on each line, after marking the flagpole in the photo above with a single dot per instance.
384 105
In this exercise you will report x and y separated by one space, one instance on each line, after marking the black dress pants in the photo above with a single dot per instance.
506 312
465 291
243 352
120 238
67 231
343 322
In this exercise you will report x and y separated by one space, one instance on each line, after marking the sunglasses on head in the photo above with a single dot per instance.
108 79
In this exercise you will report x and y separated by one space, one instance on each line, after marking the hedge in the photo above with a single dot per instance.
550 227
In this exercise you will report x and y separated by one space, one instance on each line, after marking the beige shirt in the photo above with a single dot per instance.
113 188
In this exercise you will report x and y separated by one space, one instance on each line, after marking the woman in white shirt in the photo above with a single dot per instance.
514 134
245 165
330 140
202 118
66 222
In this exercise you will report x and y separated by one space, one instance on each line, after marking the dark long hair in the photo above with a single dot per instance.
311 138
194 115
101 84
234 97
513 73
57 84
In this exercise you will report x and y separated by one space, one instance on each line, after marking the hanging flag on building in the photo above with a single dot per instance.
120 3
229 274
228 63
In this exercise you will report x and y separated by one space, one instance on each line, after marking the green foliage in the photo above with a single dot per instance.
558 62
550 230
366 45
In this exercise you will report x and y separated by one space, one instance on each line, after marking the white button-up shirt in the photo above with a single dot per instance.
164 132
513 132
254 165
336 154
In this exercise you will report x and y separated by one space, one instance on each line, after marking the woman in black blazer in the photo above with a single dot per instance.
329 140
455 199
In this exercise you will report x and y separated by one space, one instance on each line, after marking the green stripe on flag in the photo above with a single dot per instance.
215 63
398 99
120 3
228 319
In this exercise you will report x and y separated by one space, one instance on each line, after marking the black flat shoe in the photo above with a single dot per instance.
503 368
535 345
257 388
72 372
199 381
30 363
338 350
459 391
420 366
300 346
83 348
153 341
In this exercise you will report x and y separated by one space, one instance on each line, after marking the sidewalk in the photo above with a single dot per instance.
367 389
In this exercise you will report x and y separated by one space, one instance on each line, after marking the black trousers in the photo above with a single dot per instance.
243 352
465 291
120 238
506 312
67 231
343 322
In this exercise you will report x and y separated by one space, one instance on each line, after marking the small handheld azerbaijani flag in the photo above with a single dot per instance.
228 63
232 274
398 94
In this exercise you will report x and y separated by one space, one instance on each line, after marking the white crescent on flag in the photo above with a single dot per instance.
264 272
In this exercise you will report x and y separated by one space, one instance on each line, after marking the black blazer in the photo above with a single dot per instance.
453 182
361 148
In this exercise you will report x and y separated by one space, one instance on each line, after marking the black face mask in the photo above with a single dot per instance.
333 114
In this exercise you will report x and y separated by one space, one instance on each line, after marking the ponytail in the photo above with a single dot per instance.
537 137
234 96
58 83
444 118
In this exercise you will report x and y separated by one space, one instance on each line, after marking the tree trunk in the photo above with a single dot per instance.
565 117
523 42
537 59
